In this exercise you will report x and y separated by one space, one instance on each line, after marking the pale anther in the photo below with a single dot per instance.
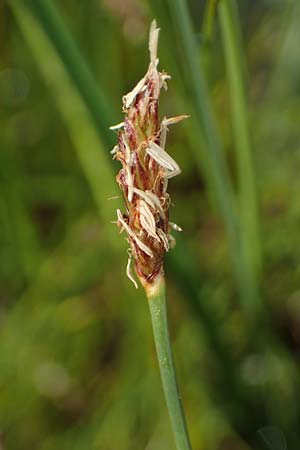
175 226
116 127
129 273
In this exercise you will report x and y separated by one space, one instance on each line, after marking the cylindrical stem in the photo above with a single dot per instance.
235 65
158 310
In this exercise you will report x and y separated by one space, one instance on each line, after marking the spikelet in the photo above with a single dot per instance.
146 169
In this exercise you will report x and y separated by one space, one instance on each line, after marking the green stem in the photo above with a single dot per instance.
158 310
209 19
235 64
220 177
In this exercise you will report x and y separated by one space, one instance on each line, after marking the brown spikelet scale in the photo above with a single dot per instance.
146 168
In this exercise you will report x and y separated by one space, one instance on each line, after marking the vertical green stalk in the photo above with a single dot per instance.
205 115
74 111
209 19
157 303
231 38
220 177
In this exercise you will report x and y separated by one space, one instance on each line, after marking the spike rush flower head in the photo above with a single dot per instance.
146 169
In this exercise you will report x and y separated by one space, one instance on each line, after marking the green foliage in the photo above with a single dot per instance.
77 360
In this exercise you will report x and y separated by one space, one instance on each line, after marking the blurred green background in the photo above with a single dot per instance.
77 362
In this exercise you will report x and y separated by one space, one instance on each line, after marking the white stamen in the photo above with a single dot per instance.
151 199
114 150
164 127
165 186
153 41
156 201
145 196
147 220
129 183
163 159
114 197
173 120
163 238
172 174
143 247
129 98
128 169
162 80
129 273
163 134
175 226
116 127
138 242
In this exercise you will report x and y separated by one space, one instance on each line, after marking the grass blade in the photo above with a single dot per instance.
231 37
219 175
90 149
